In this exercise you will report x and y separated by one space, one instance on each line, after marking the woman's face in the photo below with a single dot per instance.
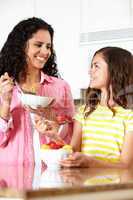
99 75
38 49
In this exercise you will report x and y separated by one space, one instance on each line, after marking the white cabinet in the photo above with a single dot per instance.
105 20
99 15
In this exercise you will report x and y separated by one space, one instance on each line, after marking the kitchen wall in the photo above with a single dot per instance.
75 23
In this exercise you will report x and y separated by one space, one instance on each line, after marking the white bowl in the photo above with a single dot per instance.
52 157
34 100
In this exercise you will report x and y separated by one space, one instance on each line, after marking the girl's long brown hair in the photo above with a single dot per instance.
120 66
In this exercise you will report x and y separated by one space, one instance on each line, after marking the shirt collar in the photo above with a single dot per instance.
45 77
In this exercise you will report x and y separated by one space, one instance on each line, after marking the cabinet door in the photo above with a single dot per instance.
105 20
105 14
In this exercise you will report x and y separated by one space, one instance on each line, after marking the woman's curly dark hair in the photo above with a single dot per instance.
120 66
13 56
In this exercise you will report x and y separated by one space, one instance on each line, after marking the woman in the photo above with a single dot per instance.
27 64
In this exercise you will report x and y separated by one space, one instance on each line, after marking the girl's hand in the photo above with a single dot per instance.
76 159
6 88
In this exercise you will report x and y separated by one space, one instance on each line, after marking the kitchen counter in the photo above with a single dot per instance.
31 182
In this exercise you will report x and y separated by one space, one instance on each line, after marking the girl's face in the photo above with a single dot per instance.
38 49
99 75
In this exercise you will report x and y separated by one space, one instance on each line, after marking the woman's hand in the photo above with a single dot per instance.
45 126
46 112
49 128
6 88
76 159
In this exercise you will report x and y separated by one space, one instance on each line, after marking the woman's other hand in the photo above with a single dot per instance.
6 88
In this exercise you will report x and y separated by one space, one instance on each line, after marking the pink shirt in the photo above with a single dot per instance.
16 177
16 138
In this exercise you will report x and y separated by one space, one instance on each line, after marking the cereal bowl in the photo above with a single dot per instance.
35 101
52 157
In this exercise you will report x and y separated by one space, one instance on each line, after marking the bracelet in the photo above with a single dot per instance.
4 119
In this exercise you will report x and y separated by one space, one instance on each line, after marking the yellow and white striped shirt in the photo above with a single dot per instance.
103 133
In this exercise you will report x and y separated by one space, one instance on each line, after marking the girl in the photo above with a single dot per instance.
103 128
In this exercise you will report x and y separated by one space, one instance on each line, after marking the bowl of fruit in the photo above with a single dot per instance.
53 152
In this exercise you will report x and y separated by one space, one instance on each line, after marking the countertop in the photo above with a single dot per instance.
35 182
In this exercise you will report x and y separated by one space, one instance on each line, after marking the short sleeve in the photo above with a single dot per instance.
129 122
79 116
